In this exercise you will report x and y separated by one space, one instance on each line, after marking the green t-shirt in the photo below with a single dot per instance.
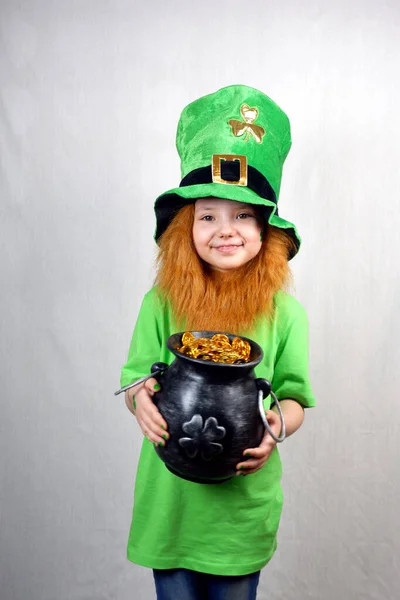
222 529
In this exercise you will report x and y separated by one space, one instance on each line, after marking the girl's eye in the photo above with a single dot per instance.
245 216
207 218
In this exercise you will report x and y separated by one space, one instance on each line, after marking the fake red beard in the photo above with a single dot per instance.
204 299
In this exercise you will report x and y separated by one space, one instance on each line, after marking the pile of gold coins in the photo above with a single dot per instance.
218 348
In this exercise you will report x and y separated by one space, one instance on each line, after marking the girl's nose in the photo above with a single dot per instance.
227 228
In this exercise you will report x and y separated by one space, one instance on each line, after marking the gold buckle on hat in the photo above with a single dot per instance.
216 168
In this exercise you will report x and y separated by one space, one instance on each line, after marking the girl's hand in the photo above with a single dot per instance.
139 401
259 456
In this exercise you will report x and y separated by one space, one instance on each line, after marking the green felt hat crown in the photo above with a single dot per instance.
232 144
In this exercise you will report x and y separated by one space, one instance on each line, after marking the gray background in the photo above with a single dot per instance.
91 92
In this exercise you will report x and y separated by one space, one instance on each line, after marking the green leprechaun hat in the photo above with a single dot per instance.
232 144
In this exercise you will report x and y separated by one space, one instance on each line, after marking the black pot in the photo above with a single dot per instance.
212 411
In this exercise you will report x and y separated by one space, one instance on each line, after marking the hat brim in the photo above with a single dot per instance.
169 203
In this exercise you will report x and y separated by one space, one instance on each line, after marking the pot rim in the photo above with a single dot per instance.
175 340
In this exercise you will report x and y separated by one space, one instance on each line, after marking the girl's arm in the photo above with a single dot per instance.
144 350
293 414
139 401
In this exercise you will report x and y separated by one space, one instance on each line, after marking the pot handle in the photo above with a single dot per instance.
264 390
156 369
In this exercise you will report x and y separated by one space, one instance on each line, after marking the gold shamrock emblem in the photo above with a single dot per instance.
239 127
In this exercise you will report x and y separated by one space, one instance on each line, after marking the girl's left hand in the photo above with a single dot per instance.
259 456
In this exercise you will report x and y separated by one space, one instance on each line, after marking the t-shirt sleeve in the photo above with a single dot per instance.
146 342
290 379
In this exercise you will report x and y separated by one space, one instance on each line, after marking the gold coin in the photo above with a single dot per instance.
221 337
187 338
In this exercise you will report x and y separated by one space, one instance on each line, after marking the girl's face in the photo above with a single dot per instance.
226 233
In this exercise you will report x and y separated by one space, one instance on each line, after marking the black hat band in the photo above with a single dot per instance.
230 172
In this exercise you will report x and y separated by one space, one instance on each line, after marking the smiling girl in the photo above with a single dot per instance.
222 266
226 234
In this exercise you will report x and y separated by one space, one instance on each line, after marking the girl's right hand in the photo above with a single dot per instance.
139 401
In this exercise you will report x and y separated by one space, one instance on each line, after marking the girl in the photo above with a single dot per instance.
222 266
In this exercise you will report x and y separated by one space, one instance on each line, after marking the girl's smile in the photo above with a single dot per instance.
226 233
227 248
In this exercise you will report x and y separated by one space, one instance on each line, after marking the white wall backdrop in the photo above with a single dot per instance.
91 92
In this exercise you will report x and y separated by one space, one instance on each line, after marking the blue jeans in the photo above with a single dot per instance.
181 584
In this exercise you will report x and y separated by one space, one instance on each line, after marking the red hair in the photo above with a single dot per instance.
205 299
